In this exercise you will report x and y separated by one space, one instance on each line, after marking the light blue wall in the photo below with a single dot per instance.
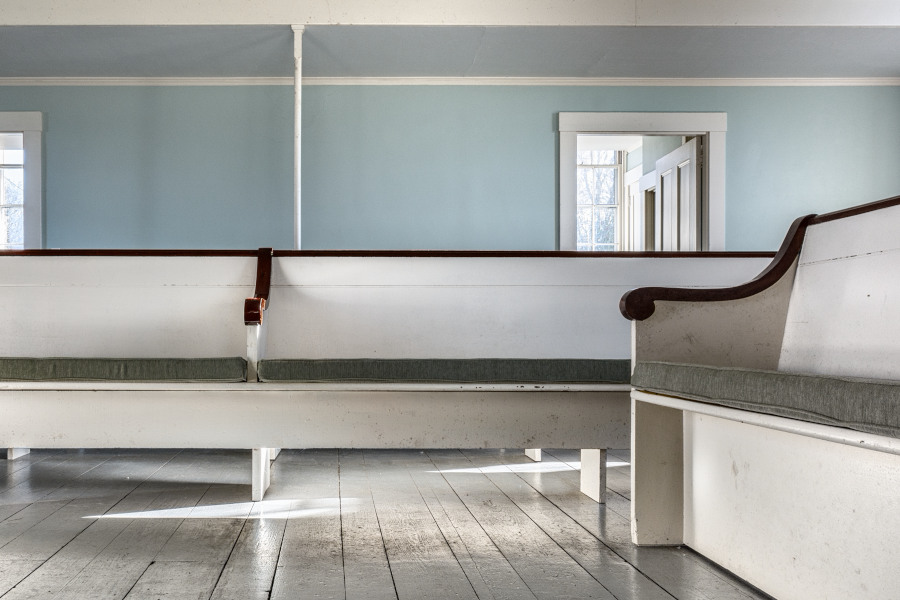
164 167
464 167
474 167
655 147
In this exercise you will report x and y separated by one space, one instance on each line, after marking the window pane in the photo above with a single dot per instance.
12 186
605 225
12 227
597 185
584 226
596 157
12 157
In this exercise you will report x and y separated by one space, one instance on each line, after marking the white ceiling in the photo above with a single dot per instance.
451 51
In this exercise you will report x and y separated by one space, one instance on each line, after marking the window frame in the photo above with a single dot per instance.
711 125
618 166
31 125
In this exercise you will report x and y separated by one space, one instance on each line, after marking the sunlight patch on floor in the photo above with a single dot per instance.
547 466
266 509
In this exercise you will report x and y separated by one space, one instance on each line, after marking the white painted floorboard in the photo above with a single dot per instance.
348 524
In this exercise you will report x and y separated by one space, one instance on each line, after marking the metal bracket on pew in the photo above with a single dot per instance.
254 309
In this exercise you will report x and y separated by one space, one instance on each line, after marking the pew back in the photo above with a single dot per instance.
451 307
844 315
124 305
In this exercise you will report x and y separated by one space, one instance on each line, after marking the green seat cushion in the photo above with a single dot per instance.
437 370
222 370
870 405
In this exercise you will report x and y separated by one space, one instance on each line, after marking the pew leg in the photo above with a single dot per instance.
14 453
534 454
593 474
657 475
260 473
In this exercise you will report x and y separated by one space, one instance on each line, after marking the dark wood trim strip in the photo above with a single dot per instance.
639 304
126 252
255 307
387 253
856 210
513 254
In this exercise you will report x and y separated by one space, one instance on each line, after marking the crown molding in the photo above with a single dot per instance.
458 81
610 81
144 81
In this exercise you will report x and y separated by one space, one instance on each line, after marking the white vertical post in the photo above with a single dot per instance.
568 190
657 475
260 473
533 453
715 181
14 453
298 126
34 205
593 474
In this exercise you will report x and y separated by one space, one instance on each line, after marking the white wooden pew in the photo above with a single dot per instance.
791 479
463 306
171 304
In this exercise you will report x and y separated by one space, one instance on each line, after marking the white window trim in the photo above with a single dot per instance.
711 125
31 124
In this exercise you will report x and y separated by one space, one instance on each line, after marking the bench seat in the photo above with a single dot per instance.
478 371
868 405
185 370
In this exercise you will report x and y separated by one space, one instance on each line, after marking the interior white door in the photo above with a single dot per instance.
678 200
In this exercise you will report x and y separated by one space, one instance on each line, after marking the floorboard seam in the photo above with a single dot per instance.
574 520
212 590
493 541
341 522
387 556
444 537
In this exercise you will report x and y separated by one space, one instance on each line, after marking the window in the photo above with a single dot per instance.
598 200
21 197
634 214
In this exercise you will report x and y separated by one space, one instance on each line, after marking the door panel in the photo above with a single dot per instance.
678 200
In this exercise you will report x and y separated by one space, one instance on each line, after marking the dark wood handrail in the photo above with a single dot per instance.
513 254
639 304
125 252
856 210
381 253
255 307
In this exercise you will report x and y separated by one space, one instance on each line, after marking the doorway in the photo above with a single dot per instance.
678 205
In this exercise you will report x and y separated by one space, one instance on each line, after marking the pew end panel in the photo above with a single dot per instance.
780 458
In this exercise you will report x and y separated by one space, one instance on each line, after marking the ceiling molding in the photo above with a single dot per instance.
144 81
454 81
608 81
859 13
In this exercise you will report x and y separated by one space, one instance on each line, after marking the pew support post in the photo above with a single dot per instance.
14 453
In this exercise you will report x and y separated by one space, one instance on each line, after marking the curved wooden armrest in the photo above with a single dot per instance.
255 307
640 303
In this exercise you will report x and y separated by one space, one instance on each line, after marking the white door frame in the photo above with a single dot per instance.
711 125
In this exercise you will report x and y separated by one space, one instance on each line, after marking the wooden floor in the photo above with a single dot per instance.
335 524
